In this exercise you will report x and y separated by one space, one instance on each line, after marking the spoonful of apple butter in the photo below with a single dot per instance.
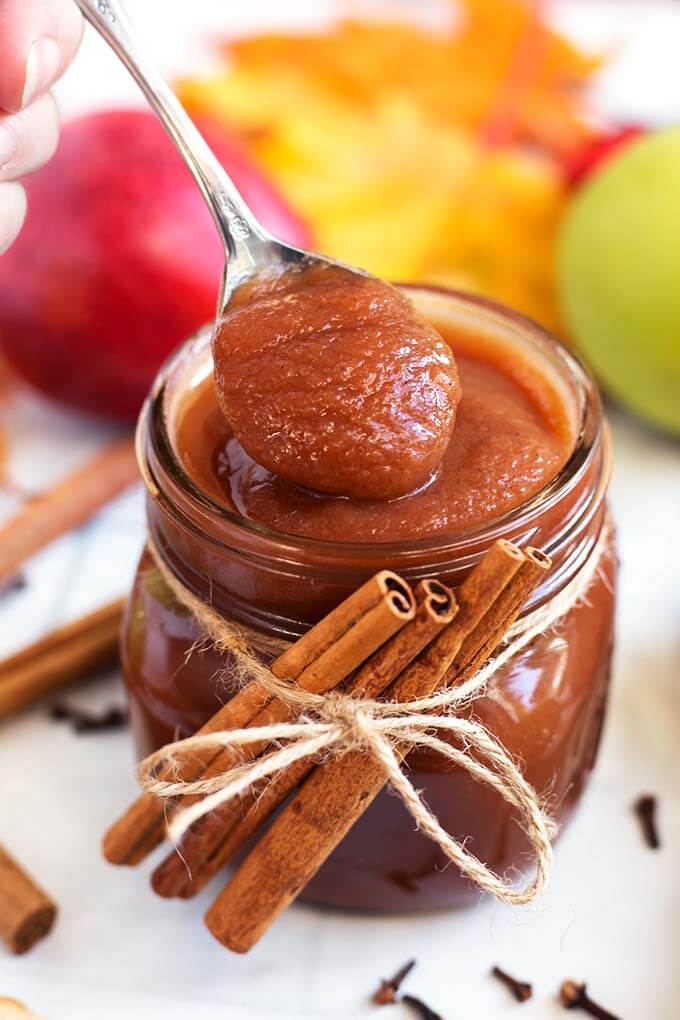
332 379
329 377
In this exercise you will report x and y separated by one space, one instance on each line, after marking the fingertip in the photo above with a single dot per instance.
13 208
28 139
43 63
38 40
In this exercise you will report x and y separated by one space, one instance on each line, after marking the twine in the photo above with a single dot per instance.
334 723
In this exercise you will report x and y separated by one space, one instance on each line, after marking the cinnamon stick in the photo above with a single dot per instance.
26 912
343 640
212 840
336 794
319 639
485 638
64 655
68 504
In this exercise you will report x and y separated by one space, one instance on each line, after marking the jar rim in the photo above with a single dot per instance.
156 454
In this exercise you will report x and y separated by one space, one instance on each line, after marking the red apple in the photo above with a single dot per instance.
119 260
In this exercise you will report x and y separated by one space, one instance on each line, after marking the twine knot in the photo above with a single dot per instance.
353 719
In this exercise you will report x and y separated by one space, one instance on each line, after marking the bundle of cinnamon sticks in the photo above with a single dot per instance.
386 642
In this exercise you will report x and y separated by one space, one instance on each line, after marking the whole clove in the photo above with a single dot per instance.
573 995
82 721
386 995
421 1008
14 583
521 990
645 809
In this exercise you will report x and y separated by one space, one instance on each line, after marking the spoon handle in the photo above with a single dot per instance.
246 240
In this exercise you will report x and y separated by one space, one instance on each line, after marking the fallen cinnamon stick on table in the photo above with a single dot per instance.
337 793
68 504
212 840
320 660
26 912
62 656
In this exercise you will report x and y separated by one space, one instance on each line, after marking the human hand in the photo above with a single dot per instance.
38 40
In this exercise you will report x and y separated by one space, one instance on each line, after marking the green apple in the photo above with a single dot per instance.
618 272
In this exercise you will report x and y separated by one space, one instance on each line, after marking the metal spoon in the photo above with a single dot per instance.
249 247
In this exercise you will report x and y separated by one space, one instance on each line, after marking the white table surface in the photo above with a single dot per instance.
612 914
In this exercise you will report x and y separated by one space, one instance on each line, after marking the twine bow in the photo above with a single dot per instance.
333 723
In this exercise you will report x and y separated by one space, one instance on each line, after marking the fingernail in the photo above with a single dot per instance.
8 146
42 65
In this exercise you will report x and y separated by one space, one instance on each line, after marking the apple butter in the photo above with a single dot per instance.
333 380
528 460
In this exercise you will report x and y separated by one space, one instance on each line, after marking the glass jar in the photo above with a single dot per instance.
546 707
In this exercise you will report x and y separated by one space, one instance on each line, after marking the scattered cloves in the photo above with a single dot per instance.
387 993
573 995
82 721
421 1008
645 809
521 990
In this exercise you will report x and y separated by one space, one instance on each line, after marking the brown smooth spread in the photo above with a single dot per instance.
332 380
512 435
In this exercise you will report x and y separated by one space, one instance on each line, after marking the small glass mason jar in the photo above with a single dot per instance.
546 706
